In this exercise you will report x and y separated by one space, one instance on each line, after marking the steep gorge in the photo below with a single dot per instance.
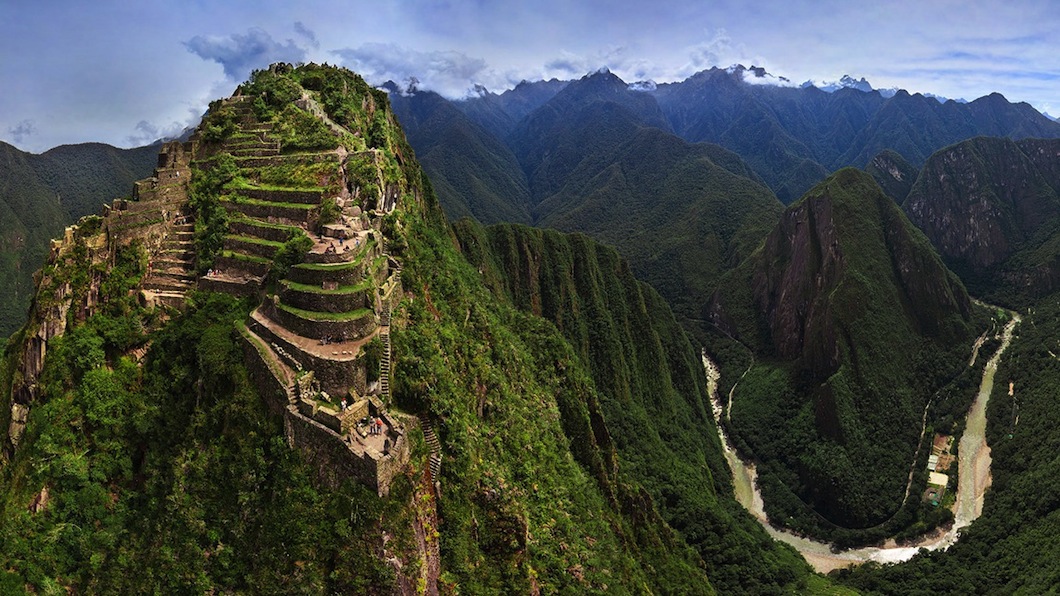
853 323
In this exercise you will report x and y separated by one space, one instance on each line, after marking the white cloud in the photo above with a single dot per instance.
239 54
449 73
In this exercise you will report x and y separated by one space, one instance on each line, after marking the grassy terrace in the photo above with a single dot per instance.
252 240
243 184
242 257
237 200
343 266
339 291
313 315
257 223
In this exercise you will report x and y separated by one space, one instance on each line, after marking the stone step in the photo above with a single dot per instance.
236 286
287 195
166 284
290 215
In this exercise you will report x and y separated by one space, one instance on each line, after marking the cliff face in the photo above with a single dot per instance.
841 238
893 173
792 283
981 200
842 306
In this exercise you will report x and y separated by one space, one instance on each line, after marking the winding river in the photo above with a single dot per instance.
973 480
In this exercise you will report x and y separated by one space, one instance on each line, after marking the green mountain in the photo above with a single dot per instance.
793 136
650 384
991 207
40 194
682 214
475 175
853 323
500 113
593 115
508 459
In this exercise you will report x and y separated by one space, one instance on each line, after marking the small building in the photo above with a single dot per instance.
933 462
938 479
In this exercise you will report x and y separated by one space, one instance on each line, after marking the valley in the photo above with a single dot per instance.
974 480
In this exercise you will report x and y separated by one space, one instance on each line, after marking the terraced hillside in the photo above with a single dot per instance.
290 218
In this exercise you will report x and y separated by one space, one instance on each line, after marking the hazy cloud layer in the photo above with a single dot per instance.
307 34
121 72
447 72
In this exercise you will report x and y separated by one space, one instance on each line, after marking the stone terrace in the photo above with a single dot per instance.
306 341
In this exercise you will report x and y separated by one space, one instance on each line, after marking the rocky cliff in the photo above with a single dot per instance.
992 209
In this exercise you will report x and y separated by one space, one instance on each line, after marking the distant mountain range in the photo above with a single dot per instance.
792 136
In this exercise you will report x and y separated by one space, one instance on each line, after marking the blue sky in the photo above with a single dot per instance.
126 72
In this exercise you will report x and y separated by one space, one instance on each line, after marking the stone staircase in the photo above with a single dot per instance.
384 363
434 445
173 270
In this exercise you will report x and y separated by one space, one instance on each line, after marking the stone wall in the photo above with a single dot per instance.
275 160
334 457
258 249
306 197
352 330
337 459
335 376
342 275
290 215
275 395
268 233
328 302
223 263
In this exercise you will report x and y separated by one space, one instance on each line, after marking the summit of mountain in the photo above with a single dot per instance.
474 173
499 113
283 278
589 116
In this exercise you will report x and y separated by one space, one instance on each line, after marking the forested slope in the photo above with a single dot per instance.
651 388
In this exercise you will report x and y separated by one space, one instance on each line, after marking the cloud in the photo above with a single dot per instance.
307 34
449 73
720 51
239 53
617 59
22 130
147 133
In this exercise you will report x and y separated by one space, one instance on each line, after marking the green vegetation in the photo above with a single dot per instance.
291 253
373 354
855 324
650 390
220 122
211 218
1011 549
299 130
40 194
313 315
130 457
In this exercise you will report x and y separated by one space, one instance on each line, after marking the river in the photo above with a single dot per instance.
973 480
